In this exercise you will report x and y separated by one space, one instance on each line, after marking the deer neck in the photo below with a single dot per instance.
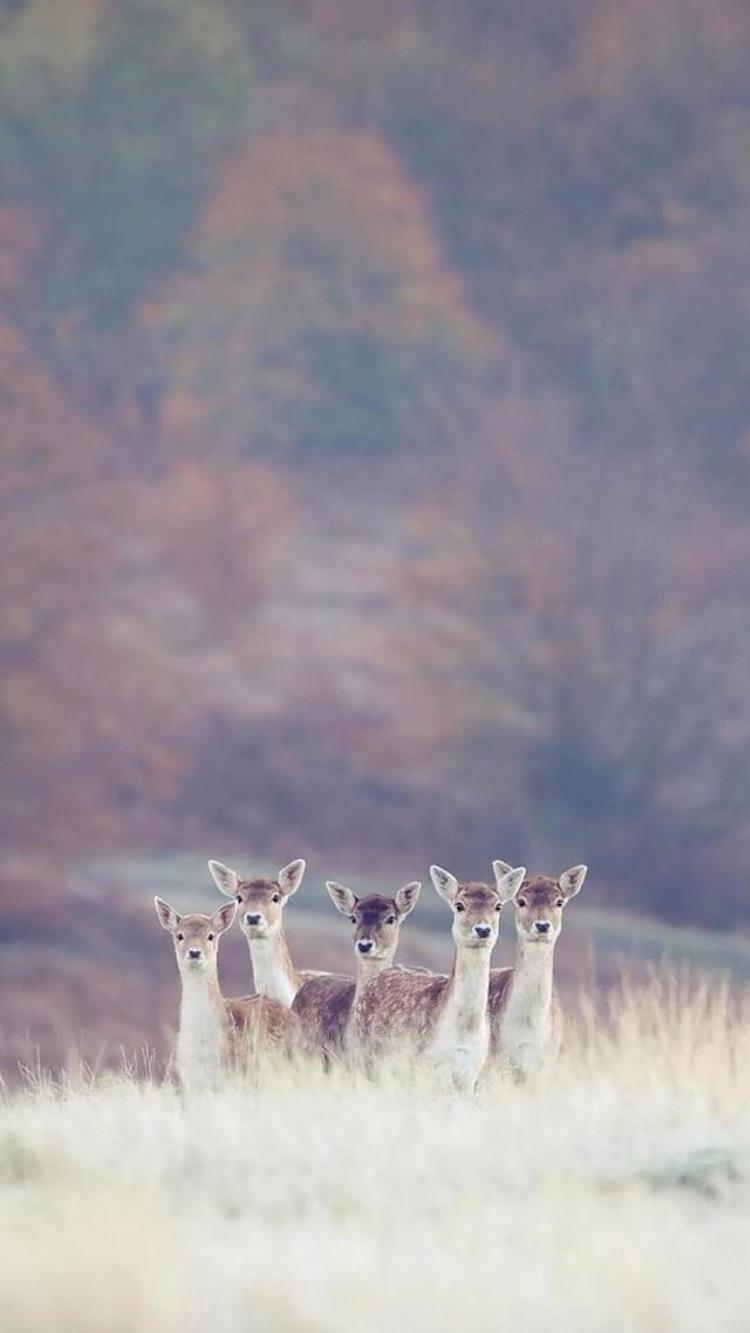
367 968
465 997
202 1032
530 1000
273 969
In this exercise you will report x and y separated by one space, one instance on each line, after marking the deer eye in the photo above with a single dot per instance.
180 935
521 902
276 898
353 920
210 937
239 897
498 906
561 902
460 907
390 920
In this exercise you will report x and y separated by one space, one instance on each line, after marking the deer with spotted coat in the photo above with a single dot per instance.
327 1006
525 1014
444 1018
216 1034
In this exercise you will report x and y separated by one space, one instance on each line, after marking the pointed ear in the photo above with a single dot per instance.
501 868
445 883
168 918
507 885
571 881
224 916
406 898
342 898
228 881
290 877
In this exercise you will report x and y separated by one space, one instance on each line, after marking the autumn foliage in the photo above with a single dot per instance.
376 434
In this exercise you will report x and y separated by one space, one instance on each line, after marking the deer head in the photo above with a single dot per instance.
540 901
376 919
260 901
196 937
476 906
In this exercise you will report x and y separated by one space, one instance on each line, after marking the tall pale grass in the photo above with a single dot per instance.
613 1196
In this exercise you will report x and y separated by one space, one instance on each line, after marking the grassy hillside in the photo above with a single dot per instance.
614 1196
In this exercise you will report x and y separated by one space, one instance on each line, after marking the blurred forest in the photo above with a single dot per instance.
376 435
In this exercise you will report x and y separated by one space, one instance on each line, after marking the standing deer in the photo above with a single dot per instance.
214 1032
261 905
445 1018
525 1015
327 1005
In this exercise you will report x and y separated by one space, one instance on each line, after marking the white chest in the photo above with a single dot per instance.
460 1047
201 1041
526 1023
272 977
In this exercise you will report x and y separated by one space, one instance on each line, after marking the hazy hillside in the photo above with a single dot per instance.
376 435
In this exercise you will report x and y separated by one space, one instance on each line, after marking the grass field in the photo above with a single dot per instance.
612 1197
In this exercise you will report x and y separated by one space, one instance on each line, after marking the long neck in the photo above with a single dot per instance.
530 996
273 969
202 1013
367 968
465 996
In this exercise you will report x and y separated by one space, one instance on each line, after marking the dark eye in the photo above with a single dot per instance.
561 902
498 906
239 897
353 920
521 902
460 907
390 920
276 898
210 937
180 935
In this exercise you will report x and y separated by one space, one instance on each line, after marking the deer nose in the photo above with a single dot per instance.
483 931
194 953
364 946
252 918
541 926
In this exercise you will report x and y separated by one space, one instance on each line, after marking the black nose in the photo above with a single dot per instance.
541 926
364 946
482 931
252 918
194 953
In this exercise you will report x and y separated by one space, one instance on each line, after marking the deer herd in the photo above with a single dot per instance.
473 1019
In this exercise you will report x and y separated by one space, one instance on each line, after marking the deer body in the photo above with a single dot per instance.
327 1005
445 1018
525 1015
217 1033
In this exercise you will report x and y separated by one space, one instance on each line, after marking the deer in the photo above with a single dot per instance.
215 1033
327 1005
261 904
525 1014
445 1018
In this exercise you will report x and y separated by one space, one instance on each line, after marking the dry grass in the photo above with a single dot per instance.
612 1197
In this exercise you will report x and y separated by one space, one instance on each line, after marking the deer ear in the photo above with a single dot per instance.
228 881
224 916
501 868
406 898
571 881
168 918
507 885
290 877
445 883
342 898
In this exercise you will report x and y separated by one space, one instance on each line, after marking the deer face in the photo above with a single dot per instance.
476 906
540 901
376 920
260 902
196 937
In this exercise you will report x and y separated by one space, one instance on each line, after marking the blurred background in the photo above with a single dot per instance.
376 467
